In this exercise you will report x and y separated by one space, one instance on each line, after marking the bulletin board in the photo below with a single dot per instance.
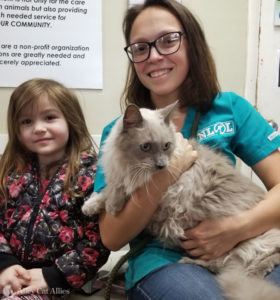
58 39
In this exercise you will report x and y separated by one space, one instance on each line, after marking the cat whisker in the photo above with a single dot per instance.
140 165
141 170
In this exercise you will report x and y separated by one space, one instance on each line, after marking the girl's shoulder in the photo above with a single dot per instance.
88 159
16 181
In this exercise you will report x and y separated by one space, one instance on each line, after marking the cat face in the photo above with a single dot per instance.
148 137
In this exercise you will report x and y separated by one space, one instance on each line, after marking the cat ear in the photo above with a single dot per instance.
132 117
168 111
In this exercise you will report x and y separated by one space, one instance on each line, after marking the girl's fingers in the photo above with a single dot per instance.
23 273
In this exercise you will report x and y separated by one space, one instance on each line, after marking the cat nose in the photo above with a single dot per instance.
160 164
160 167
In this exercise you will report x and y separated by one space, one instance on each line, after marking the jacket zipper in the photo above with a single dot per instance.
34 214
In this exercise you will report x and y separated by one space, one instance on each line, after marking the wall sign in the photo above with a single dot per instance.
59 39
133 2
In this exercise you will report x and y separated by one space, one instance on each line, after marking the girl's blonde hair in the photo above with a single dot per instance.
15 156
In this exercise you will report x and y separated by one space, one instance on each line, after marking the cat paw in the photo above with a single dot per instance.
93 205
186 260
87 208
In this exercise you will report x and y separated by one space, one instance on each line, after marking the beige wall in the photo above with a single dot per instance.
225 25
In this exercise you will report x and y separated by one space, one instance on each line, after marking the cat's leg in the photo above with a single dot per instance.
213 265
237 285
262 267
111 200
116 199
95 204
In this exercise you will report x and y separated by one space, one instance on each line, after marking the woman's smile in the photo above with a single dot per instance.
159 73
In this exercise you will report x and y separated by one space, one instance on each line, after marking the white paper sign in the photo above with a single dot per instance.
133 2
58 39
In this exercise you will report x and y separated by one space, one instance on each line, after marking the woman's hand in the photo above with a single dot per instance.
184 157
14 278
212 238
36 284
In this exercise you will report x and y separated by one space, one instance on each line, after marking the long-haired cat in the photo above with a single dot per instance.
141 143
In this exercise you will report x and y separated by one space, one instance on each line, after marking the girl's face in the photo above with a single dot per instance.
161 74
43 130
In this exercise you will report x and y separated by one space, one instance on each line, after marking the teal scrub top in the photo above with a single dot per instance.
233 126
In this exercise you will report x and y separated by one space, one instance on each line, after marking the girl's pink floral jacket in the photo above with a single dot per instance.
48 230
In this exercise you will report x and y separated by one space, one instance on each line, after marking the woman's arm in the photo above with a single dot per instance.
266 214
212 238
117 231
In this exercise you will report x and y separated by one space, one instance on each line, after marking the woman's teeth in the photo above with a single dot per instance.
159 73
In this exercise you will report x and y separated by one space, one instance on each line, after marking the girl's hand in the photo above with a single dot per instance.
212 238
36 284
14 276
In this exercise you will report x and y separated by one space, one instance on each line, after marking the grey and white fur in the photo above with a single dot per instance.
140 144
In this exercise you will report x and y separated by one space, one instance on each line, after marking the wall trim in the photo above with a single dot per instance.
254 15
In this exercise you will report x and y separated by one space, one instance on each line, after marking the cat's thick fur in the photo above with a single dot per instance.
140 144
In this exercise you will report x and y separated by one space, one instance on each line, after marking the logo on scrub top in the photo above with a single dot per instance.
219 128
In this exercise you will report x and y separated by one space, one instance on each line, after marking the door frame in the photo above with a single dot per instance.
252 68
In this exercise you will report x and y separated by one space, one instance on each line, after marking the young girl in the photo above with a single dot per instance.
170 60
47 246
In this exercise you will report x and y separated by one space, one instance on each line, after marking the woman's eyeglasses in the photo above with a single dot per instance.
166 44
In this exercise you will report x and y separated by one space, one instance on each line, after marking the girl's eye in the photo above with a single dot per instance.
145 147
25 122
166 146
50 117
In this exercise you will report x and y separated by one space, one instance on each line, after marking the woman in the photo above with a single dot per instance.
170 60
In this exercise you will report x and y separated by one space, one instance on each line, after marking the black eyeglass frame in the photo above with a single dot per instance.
153 44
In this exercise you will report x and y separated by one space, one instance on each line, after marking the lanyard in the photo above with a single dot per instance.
195 125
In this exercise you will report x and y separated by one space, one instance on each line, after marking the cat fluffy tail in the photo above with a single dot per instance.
238 286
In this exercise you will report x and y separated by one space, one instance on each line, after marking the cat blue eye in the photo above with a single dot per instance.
145 147
166 146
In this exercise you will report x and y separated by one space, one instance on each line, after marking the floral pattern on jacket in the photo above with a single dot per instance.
49 229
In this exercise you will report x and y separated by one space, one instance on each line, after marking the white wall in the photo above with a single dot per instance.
225 24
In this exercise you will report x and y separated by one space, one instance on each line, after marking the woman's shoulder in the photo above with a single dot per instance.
109 126
230 103
232 99
107 129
